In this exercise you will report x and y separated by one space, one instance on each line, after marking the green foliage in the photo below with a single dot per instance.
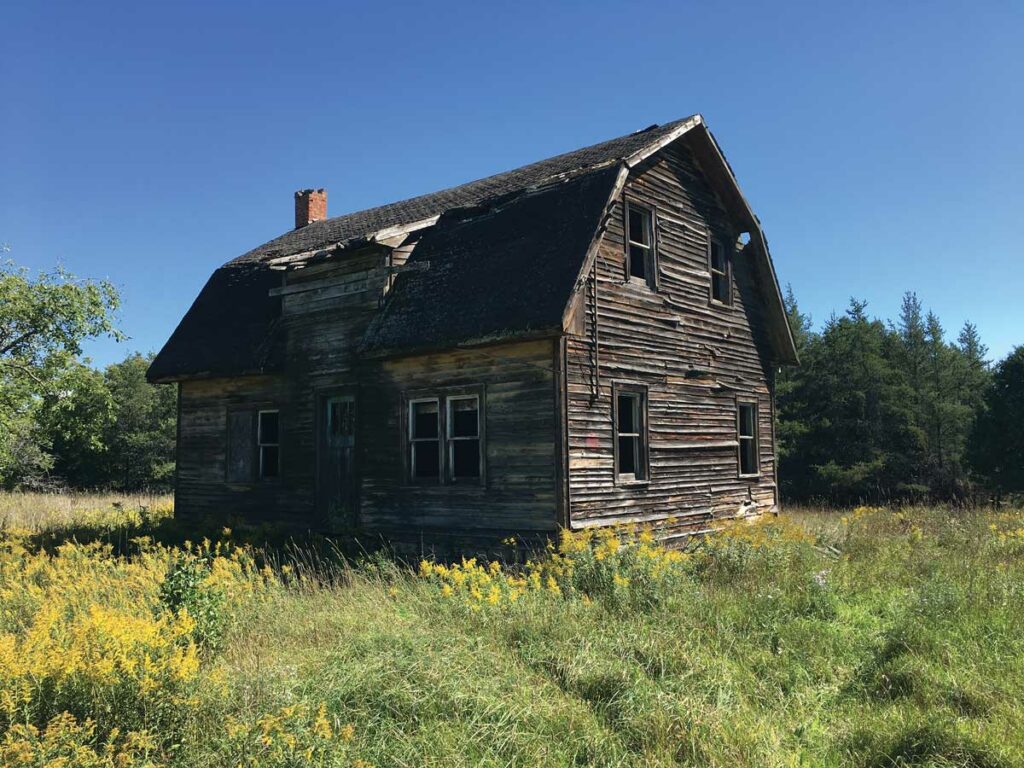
888 637
141 436
879 412
997 443
43 321
110 429
186 588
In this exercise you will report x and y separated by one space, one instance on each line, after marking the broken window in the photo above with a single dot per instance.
718 261
630 433
746 428
640 257
464 438
268 440
425 439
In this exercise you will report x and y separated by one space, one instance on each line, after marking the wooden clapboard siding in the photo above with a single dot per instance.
324 322
202 491
518 494
655 338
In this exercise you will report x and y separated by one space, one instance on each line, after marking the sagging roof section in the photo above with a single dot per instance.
495 272
536 222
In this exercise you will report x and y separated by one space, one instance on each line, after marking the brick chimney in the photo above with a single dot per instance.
310 206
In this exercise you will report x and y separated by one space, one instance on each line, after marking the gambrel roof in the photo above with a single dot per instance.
505 253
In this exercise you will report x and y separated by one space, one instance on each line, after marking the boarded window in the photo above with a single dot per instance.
630 434
746 427
721 285
240 453
640 256
269 442
464 438
425 439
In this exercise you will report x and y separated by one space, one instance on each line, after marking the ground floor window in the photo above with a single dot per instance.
746 429
630 422
464 457
270 445
425 439
253 445
445 438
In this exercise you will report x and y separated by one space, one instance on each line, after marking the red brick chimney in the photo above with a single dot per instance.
310 206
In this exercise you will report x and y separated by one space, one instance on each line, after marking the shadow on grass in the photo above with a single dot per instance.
273 544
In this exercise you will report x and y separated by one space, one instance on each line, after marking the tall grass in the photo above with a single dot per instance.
38 512
873 638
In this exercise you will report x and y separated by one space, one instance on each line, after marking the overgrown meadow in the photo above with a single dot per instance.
878 637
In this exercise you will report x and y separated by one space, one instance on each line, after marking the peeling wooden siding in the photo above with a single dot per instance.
655 338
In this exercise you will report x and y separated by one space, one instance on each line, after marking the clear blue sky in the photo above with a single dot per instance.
880 143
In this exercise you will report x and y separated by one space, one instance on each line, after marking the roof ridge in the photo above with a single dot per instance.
532 175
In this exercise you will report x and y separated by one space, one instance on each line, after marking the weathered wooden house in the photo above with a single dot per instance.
587 340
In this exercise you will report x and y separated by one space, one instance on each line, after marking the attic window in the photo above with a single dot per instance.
718 264
640 254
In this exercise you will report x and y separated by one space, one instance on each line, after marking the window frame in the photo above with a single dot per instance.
726 275
443 396
411 441
643 434
755 438
650 214
260 445
451 439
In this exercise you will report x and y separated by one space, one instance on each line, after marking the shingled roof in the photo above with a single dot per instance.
352 226
473 291
536 220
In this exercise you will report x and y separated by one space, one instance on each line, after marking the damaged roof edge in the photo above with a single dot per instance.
782 336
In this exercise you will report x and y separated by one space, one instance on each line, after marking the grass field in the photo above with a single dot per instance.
872 638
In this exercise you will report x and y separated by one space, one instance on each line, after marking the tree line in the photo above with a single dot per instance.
896 411
63 423
878 411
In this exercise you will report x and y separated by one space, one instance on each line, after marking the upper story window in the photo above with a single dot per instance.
718 263
746 432
630 432
445 438
641 261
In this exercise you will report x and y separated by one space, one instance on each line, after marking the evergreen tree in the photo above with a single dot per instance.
997 442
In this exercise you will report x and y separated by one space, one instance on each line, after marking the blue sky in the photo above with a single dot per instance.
879 143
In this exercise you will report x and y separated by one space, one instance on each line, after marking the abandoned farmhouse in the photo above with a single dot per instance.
588 340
